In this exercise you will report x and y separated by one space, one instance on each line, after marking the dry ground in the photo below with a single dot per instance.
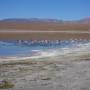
47 74
44 26
43 36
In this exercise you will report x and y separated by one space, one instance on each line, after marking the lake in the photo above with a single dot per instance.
47 48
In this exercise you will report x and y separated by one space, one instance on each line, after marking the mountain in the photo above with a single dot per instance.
29 20
44 24
24 20
85 20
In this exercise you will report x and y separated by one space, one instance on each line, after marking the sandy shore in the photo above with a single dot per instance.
65 55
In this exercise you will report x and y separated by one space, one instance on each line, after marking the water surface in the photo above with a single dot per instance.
44 48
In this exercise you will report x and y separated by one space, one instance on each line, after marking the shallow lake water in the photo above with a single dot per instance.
42 48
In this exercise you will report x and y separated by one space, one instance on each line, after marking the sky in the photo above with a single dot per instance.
53 9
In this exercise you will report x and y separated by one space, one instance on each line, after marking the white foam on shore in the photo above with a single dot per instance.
78 50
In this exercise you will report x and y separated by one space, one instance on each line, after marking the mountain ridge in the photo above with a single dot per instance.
42 20
44 24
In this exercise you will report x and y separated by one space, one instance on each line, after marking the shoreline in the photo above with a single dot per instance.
71 57
73 52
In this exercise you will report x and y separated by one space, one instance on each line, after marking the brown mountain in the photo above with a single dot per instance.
45 24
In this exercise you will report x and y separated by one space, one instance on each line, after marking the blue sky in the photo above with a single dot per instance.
55 9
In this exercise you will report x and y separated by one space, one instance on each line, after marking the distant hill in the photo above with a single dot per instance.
44 24
85 20
24 20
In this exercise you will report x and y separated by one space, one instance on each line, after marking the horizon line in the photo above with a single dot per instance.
1 19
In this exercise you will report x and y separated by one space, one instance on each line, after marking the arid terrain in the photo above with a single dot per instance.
43 36
46 74
44 25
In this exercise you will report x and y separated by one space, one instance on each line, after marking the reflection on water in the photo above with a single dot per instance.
44 47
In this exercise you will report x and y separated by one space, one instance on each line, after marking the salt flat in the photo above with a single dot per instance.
44 31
